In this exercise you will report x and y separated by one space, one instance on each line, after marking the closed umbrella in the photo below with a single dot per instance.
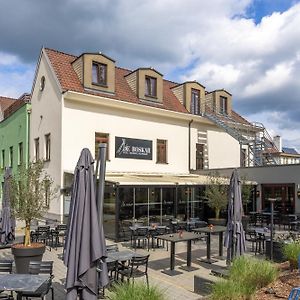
235 241
8 224
83 247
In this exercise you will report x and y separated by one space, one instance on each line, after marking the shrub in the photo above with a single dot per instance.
291 252
246 275
136 291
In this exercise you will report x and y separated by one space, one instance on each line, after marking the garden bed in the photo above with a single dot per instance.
281 288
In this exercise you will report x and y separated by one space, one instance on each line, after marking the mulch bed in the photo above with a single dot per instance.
281 288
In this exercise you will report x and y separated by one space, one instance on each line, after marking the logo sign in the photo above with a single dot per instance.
133 148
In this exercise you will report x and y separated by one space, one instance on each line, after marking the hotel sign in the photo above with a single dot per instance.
133 148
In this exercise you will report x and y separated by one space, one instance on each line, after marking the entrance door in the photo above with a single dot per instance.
284 193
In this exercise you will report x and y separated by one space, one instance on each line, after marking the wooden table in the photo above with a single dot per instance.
208 231
26 283
176 238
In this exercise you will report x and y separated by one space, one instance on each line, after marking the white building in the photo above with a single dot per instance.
78 102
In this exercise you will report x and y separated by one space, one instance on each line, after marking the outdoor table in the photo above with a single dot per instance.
26 283
209 231
121 255
175 238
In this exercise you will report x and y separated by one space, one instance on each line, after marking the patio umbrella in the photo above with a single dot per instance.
235 241
8 224
83 247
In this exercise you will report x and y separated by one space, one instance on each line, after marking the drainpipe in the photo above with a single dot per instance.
28 135
189 156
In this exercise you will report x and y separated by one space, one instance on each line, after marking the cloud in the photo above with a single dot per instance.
215 42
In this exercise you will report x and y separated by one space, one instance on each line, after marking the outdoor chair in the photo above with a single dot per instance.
58 233
140 234
112 268
294 294
41 267
43 234
137 267
5 267
256 240
157 232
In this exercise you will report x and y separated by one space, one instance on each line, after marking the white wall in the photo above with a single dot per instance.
223 150
81 121
46 118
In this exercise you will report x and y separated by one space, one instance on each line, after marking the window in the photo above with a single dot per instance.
11 156
199 156
42 83
223 105
47 146
99 74
161 154
37 149
101 138
243 157
2 158
20 158
195 97
150 86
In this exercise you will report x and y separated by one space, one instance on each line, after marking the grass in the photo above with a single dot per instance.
291 252
136 291
246 275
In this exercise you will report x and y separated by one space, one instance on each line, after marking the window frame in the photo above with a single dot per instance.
20 154
47 147
223 103
11 156
164 158
37 149
148 88
195 103
3 158
98 65
200 160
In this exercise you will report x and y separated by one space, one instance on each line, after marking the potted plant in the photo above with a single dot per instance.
30 192
216 193
291 252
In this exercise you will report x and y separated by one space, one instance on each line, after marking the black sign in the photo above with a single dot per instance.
133 148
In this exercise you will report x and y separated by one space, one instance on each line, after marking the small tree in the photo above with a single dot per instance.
216 193
246 191
31 190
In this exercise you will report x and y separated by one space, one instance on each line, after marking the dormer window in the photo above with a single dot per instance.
99 74
223 105
195 96
150 87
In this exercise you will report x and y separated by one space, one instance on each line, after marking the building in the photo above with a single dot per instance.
14 134
5 102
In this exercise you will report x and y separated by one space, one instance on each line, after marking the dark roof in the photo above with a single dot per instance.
289 150
5 102
69 81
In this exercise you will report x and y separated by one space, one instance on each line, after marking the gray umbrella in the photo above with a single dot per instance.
8 223
83 247
235 241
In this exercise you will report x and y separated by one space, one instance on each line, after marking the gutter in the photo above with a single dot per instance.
189 153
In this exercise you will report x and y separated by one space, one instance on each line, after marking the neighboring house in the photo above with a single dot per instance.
5 102
14 130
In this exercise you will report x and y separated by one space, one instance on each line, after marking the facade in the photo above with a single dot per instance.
14 136
156 133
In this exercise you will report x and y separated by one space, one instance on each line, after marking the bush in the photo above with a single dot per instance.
291 252
246 275
136 291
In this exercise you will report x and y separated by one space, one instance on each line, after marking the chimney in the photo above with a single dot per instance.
278 142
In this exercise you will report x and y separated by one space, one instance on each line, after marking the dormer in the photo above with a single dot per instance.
96 71
192 96
220 101
147 84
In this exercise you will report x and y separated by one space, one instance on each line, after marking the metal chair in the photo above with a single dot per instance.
294 294
6 267
41 267
138 267
140 234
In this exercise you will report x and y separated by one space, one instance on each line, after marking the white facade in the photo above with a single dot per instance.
72 119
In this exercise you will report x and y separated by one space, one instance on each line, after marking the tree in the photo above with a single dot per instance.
31 190
246 191
216 193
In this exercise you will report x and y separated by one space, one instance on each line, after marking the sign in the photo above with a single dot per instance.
133 148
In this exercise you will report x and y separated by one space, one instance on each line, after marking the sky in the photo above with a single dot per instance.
251 48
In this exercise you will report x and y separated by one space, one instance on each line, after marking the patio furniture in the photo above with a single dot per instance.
140 234
59 233
157 232
36 268
112 248
208 231
23 283
112 268
138 267
294 294
43 234
6 266
176 238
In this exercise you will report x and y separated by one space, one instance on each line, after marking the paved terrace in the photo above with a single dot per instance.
176 287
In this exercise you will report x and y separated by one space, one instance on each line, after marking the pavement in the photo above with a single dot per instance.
174 287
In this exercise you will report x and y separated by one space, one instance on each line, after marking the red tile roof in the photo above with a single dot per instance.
5 102
69 81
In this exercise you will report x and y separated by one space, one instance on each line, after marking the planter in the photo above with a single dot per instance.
217 222
277 251
23 255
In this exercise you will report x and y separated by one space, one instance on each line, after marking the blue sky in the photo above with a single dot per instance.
249 47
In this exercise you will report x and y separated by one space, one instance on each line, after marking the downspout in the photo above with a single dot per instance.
28 135
189 155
